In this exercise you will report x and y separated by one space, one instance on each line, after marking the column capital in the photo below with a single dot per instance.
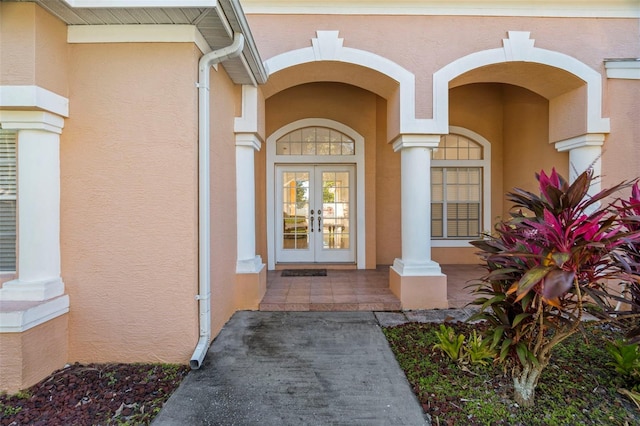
251 140
31 120
416 141
33 98
588 139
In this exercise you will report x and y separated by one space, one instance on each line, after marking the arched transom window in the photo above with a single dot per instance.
458 182
315 141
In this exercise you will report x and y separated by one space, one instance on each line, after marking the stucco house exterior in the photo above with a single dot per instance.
158 157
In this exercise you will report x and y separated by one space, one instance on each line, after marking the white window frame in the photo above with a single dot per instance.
485 165
13 198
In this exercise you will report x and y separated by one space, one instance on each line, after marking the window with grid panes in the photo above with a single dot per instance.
8 190
456 188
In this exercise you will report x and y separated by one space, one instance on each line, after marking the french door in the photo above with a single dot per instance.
315 213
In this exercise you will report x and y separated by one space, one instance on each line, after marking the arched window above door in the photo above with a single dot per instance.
315 140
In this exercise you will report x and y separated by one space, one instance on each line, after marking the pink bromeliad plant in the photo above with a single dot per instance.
554 250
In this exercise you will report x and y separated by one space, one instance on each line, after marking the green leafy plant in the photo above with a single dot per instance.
543 261
478 350
626 358
8 410
450 342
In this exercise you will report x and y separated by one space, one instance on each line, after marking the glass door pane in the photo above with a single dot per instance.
335 192
295 210
314 205
335 210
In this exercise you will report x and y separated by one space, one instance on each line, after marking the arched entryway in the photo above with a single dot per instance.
315 189
545 103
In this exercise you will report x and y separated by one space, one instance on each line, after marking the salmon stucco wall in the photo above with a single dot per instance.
346 104
598 38
27 357
526 141
388 201
621 150
33 48
129 202
223 198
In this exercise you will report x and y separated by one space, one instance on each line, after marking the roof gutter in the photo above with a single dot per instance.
204 190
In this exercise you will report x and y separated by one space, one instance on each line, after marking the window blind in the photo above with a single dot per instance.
8 190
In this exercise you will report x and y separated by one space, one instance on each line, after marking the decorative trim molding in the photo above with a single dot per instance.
416 141
17 290
626 69
249 266
590 139
32 120
541 8
250 140
137 34
17 317
141 3
416 269
33 97
248 121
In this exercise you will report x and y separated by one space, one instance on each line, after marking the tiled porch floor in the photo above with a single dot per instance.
354 290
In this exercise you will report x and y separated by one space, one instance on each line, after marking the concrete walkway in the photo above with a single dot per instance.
300 368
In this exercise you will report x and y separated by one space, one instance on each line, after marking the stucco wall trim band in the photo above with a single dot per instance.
623 69
551 8
17 317
33 97
137 34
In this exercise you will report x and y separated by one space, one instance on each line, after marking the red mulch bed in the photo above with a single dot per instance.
94 394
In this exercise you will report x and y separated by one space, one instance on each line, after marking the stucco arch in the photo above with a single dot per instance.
327 48
517 49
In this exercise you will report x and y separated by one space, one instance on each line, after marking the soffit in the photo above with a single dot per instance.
547 81
331 71
216 24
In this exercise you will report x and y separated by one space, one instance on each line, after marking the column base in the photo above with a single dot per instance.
18 290
419 291
30 356
250 288
249 266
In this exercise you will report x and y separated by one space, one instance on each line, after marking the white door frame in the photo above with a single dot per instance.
357 159
315 251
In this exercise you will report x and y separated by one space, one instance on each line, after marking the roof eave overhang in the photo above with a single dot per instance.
244 69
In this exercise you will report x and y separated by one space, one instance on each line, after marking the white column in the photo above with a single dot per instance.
415 151
38 257
585 152
248 261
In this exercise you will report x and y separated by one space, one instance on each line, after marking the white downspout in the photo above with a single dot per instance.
204 231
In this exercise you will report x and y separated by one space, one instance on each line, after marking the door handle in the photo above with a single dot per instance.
312 223
319 224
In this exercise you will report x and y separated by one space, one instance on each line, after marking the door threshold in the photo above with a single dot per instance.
281 266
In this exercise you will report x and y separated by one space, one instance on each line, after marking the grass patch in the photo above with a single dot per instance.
577 388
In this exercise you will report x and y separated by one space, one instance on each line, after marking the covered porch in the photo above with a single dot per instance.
355 290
